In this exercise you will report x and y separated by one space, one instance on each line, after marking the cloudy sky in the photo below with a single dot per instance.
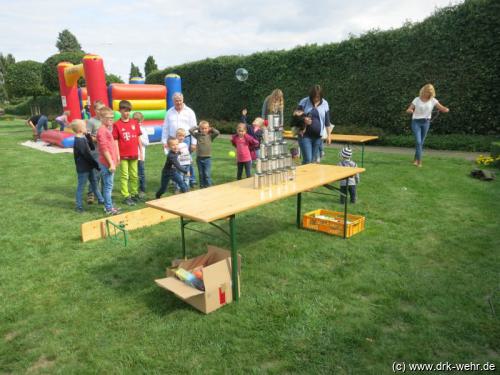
125 31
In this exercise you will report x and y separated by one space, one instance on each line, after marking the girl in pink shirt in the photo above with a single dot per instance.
244 143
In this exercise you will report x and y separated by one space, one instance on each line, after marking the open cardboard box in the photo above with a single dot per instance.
216 264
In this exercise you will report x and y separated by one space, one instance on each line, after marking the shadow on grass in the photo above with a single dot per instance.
134 273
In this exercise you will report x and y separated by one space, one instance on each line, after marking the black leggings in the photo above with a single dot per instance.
248 168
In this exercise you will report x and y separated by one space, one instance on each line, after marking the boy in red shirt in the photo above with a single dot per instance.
127 132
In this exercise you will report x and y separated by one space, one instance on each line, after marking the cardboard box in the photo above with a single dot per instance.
216 276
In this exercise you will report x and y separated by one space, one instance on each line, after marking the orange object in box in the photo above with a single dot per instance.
216 263
332 222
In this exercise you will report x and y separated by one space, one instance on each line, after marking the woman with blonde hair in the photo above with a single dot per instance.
274 104
421 109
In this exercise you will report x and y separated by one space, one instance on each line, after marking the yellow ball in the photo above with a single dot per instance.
232 154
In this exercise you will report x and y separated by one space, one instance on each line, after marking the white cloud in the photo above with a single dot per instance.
177 32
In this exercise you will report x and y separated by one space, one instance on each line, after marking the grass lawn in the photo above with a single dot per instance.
413 287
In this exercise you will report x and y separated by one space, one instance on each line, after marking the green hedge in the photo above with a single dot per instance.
369 80
49 105
495 149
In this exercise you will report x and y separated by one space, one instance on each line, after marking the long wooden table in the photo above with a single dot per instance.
226 200
344 138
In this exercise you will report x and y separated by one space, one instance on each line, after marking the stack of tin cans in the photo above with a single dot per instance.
274 164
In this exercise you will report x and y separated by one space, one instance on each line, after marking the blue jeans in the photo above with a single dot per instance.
204 170
166 176
420 127
98 177
248 169
43 122
61 125
192 177
83 177
309 148
352 193
142 176
107 180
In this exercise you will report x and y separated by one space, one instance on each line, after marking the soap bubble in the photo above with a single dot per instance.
241 74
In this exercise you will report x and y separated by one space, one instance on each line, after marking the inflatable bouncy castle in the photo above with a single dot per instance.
151 100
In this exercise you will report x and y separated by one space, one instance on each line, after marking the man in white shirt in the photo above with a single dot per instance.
180 116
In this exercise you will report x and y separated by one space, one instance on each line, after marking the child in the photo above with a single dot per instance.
351 182
108 158
205 135
254 130
92 125
172 169
243 143
144 140
184 157
63 120
85 164
36 123
126 132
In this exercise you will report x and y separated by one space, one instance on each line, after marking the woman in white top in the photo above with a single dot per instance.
421 109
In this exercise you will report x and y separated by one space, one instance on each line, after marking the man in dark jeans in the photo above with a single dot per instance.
36 123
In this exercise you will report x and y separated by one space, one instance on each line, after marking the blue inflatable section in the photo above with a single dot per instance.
137 81
153 132
69 142
174 84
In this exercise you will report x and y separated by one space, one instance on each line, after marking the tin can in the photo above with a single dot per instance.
276 122
265 165
281 162
269 151
258 165
269 179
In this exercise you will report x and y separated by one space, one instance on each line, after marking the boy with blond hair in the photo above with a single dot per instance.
205 135
173 170
85 164
126 132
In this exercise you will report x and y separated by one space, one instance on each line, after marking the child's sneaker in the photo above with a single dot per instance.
79 210
142 195
90 198
129 201
135 198
112 211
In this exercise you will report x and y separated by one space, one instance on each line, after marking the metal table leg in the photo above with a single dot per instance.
299 207
345 210
234 258
362 154
183 239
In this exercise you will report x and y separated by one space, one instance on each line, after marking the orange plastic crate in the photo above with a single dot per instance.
335 222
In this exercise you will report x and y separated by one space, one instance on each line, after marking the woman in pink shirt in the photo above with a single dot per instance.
244 143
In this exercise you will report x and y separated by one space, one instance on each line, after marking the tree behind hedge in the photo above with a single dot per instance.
134 71
150 65
369 80
67 42
24 78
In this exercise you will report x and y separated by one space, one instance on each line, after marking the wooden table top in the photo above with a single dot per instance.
354 138
221 201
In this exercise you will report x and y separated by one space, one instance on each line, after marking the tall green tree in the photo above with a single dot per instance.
134 71
67 42
150 65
